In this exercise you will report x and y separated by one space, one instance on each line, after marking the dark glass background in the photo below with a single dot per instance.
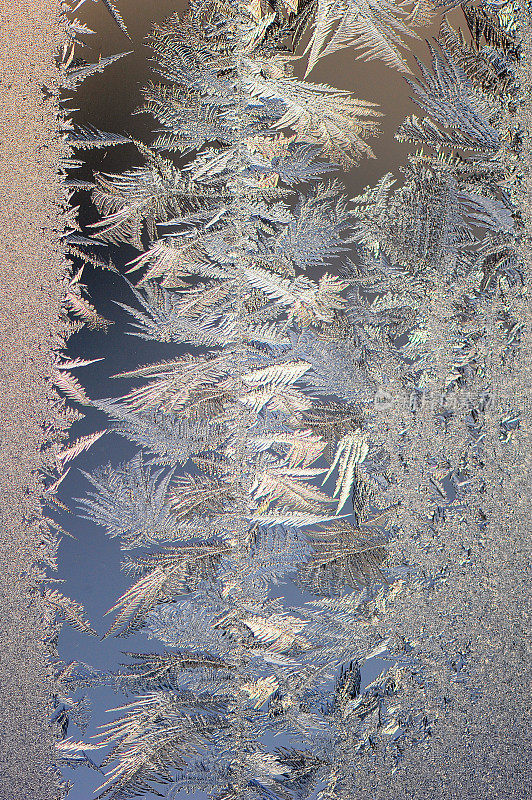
90 563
